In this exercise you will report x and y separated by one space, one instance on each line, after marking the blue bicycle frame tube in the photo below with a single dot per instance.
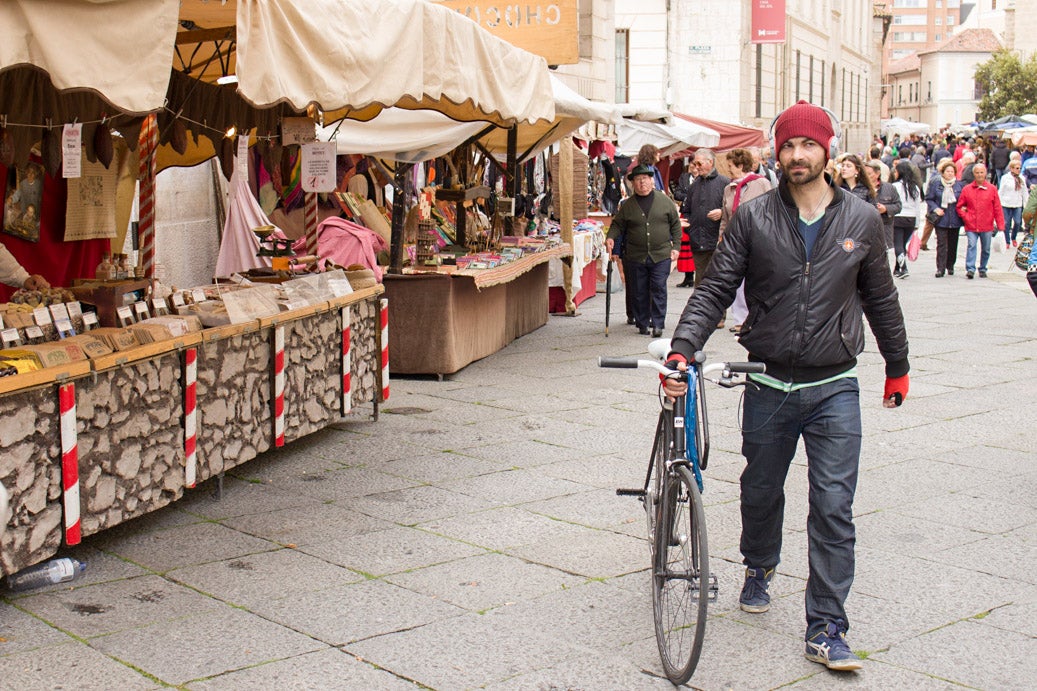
691 426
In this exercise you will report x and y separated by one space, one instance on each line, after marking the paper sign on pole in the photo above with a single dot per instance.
318 167
242 159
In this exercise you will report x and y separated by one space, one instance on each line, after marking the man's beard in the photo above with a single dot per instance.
801 177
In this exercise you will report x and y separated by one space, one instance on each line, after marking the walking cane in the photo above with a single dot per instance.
608 295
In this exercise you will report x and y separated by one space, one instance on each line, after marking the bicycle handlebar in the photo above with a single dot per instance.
634 363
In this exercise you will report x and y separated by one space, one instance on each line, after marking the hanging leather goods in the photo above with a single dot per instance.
178 136
6 145
103 148
50 150
226 154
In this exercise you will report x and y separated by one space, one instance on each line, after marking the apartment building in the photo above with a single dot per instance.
698 57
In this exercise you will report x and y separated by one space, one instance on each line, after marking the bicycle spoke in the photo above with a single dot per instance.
681 587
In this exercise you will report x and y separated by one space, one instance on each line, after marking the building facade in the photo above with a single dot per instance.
695 56
945 78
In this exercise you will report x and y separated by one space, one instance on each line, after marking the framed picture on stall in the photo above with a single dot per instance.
23 202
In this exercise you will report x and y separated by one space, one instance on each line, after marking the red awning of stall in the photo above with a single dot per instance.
731 136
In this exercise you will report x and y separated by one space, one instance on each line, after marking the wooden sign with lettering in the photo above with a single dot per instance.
549 28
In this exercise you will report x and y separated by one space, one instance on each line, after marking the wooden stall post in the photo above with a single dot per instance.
399 215
511 189
565 215
310 217
146 149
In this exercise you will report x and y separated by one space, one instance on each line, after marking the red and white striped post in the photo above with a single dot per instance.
384 318
279 385
347 363
190 416
147 148
69 462
310 217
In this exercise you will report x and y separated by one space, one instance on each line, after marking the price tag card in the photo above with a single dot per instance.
178 299
64 327
41 315
1 323
10 337
34 333
75 310
125 315
141 310
89 320
198 294
318 167
59 311
72 150
159 307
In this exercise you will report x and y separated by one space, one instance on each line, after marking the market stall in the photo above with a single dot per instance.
150 403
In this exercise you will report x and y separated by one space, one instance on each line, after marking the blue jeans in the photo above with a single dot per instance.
970 251
828 418
1013 223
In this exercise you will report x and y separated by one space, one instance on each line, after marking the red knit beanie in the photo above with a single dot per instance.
803 120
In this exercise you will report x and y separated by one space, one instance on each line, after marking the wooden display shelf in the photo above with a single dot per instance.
460 197
107 296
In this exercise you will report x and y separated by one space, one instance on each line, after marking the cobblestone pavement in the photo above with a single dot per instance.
471 537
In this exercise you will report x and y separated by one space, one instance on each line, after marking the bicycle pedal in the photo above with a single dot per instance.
714 588
631 493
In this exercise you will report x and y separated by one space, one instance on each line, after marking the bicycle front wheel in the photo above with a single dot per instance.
681 585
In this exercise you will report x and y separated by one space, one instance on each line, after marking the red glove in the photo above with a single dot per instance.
896 390
672 360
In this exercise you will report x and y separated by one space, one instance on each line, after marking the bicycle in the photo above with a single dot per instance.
682 585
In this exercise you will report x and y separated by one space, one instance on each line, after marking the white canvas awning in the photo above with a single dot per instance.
119 49
412 136
677 135
354 58
905 128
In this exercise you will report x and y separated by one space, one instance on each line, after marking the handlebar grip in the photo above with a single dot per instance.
620 362
753 367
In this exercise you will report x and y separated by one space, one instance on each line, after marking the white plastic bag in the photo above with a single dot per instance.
997 243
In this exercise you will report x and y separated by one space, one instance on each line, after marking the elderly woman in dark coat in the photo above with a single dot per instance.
941 199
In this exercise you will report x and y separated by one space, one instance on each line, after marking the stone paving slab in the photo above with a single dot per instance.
105 608
485 581
499 528
389 551
587 552
356 612
328 668
414 505
308 524
73 664
183 546
249 580
21 632
968 652
464 652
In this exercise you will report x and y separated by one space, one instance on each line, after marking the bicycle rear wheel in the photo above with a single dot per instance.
681 586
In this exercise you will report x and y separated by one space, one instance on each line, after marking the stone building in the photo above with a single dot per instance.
696 56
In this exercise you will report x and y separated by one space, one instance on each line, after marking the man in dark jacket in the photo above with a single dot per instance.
702 208
648 229
998 160
813 259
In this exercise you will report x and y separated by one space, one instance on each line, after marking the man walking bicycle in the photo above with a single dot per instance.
813 259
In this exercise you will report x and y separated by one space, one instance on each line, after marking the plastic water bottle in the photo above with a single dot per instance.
54 571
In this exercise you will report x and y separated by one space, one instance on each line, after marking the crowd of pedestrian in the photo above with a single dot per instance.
922 186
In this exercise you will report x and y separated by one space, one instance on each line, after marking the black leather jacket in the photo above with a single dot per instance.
804 317
704 195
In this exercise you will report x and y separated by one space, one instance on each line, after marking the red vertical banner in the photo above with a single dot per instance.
768 21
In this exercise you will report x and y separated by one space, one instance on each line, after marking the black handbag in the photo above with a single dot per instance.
932 217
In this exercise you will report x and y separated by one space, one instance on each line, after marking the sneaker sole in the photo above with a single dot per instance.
754 609
837 665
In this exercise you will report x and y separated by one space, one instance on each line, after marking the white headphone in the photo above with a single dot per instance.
833 144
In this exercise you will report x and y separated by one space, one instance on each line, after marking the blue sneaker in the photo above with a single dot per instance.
754 597
828 647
